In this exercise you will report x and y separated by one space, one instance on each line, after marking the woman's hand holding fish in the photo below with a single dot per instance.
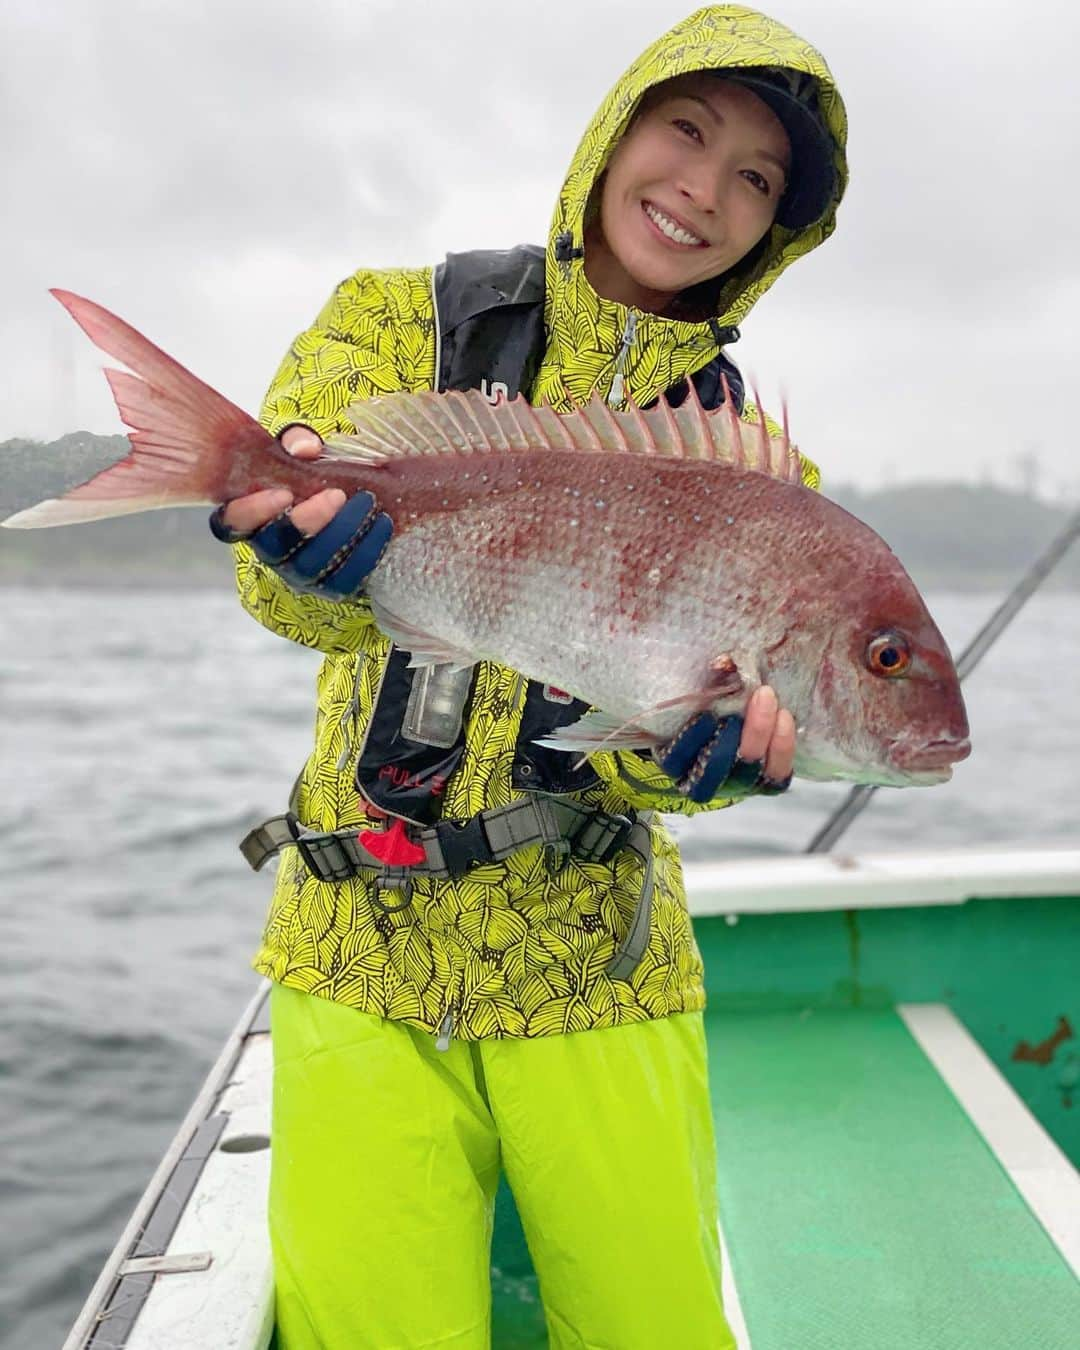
245 515
732 756
327 545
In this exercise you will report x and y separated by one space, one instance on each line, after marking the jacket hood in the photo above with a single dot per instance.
719 37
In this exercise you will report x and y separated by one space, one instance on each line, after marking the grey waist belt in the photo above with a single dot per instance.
564 828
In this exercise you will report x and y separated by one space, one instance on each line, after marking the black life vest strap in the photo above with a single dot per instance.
453 847
564 828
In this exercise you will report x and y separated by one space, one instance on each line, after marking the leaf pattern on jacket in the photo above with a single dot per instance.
513 948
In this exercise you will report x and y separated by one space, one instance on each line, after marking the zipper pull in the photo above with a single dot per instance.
349 716
617 394
446 1030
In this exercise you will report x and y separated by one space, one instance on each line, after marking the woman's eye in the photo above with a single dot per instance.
687 127
758 180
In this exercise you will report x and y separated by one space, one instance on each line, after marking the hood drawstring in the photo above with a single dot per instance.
617 394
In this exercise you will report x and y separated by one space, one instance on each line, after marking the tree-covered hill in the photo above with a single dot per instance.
949 535
155 548
964 535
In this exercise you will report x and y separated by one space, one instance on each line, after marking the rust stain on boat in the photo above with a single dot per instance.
1043 1051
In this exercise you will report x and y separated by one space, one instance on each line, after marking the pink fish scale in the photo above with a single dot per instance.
577 580
617 555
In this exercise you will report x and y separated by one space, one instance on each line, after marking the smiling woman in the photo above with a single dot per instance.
690 190
460 992
460 896
708 164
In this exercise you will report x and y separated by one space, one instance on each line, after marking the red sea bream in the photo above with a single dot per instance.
652 563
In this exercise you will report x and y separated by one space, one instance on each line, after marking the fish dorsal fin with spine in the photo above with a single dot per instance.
466 422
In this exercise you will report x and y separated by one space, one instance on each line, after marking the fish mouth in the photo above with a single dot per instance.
918 768
934 757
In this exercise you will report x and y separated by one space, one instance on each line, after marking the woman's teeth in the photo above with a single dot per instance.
667 226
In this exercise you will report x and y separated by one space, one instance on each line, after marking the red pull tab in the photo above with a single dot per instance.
392 846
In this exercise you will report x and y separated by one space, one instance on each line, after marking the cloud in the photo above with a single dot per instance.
210 171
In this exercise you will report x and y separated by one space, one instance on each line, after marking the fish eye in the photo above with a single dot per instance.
888 654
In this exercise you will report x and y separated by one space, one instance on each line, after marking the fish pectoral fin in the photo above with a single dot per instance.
599 731
604 731
425 649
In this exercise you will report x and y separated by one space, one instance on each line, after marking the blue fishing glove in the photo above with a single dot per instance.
703 759
334 563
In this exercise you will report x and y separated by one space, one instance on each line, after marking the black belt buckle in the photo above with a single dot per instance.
614 832
464 844
622 827
322 853
623 833
306 856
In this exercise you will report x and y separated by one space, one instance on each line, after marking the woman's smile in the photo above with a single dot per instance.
671 229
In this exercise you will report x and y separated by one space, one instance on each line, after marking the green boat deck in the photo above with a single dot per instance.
864 1208
895 1077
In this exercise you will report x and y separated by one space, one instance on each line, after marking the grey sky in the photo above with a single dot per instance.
209 171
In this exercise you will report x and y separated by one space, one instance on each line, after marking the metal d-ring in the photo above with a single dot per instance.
386 883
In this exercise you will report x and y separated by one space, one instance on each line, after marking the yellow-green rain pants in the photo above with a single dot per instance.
386 1158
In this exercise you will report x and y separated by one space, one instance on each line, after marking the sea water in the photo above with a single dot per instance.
143 732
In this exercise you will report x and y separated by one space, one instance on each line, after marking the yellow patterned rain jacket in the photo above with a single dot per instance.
508 950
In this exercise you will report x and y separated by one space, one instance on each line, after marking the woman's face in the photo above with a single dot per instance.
690 189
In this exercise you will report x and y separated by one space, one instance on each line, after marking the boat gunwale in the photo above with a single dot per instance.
90 1316
887 880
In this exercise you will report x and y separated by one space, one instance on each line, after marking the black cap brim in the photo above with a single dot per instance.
811 182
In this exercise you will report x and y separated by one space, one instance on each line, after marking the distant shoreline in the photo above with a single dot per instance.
960 537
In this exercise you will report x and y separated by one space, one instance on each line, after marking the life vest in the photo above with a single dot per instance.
489 314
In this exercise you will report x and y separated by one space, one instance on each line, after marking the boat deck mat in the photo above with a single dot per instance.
861 1207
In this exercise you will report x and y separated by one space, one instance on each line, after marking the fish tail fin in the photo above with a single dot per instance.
184 434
